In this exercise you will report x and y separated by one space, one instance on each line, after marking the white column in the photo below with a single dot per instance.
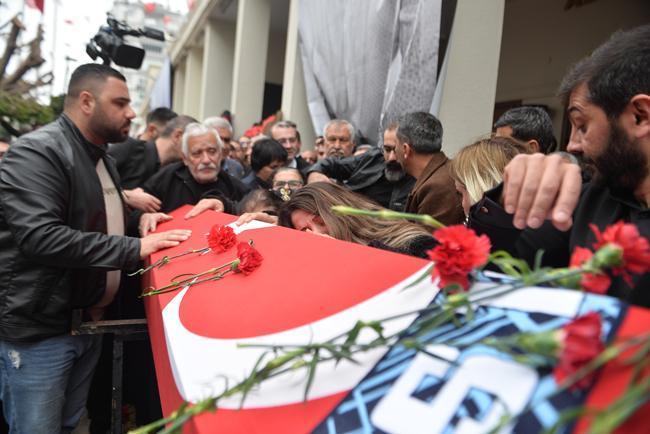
178 98
294 96
193 82
218 56
469 88
249 71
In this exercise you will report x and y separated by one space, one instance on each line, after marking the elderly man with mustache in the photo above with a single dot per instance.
198 178
374 174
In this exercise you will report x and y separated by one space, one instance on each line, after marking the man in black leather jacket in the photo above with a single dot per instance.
369 174
61 234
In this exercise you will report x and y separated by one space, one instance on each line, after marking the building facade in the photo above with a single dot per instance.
243 56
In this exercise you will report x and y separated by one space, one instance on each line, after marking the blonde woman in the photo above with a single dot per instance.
309 209
479 167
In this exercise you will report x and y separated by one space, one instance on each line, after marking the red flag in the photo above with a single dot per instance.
36 4
212 317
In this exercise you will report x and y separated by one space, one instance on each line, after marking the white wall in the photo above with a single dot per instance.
541 40
467 94
218 55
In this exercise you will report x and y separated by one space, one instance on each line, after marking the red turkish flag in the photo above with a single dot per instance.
36 4
308 288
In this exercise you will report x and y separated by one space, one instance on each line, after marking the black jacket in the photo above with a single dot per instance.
252 182
364 174
598 205
175 186
54 251
301 164
135 160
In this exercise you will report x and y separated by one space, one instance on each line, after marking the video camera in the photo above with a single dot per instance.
109 43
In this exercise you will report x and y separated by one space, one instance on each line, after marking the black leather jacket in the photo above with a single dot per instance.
54 251
598 205
364 174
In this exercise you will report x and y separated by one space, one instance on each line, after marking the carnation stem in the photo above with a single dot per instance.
604 357
165 259
190 281
388 214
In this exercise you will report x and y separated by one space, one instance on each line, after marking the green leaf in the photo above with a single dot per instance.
249 382
538 260
425 274
622 409
313 363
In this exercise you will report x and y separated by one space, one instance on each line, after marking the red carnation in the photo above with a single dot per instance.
636 249
221 238
581 343
592 282
459 252
249 258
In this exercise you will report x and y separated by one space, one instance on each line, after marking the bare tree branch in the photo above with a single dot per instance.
22 87
33 60
16 28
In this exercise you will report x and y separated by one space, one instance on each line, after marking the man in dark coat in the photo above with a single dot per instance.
62 245
373 174
607 95
198 177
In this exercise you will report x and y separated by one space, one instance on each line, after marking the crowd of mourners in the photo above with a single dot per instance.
76 211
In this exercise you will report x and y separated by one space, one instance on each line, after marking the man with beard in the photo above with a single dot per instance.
198 178
607 96
419 152
62 246
375 174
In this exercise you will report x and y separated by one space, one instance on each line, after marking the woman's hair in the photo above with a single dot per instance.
260 200
266 151
479 166
319 197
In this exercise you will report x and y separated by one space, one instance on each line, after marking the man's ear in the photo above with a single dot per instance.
152 131
86 102
639 108
408 150
177 135
533 146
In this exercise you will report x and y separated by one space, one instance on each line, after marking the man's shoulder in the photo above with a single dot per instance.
233 182
129 147
171 168
436 174
50 135
48 143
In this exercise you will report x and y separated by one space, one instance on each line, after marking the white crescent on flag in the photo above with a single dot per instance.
199 363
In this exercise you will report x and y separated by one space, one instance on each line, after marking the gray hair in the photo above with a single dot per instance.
421 130
197 129
180 121
340 122
217 122
285 124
